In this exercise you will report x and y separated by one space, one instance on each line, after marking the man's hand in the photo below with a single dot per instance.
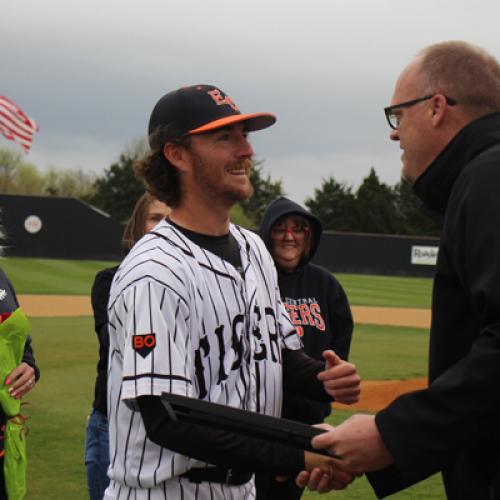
357 444
340 379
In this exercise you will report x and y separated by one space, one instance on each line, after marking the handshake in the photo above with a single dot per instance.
356 448
355 445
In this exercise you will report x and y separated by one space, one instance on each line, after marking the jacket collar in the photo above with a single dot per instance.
434 186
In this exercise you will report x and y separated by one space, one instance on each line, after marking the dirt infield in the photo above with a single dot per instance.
374 394
397 316
79 305
56 305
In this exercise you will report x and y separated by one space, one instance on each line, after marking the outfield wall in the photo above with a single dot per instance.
59 228
377 254
66 228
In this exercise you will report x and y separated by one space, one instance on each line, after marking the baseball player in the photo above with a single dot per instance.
195 310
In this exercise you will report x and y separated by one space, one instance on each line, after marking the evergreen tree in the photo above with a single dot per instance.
265 191
238 217
118 189
376 207
335 205
417 221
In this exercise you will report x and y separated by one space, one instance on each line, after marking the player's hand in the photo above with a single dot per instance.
340 379
324 473
281 479
313 461
318 481
20 380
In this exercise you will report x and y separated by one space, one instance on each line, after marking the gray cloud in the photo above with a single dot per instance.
90 72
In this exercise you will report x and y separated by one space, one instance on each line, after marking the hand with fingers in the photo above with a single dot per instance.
323 472
356 444
340 379
317 480
358 448
21 380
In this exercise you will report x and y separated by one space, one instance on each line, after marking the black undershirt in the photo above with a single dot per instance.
226 247
220 447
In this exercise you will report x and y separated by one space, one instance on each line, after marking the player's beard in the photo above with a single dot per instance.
210 178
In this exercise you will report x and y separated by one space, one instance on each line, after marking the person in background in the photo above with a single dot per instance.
318 308
18 378
147 212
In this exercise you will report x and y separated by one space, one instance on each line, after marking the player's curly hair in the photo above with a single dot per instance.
159 176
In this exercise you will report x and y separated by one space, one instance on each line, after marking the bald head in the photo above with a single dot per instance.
444 88
464 72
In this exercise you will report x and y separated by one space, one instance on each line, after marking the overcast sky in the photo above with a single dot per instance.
90 72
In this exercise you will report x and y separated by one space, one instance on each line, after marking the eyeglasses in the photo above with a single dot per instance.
279 232
393 118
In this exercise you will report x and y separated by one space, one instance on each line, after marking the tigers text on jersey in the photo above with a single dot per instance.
182 320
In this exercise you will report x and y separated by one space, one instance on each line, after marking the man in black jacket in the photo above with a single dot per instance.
445 113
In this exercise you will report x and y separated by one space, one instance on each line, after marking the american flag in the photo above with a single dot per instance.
15 124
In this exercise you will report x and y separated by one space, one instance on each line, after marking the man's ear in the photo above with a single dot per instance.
439 107
177 155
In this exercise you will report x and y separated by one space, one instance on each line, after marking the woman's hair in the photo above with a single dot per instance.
159 176
134 230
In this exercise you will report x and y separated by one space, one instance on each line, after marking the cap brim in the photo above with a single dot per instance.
254 121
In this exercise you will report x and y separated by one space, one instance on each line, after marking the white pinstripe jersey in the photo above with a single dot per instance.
183 320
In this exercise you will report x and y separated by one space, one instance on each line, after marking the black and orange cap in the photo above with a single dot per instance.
201 108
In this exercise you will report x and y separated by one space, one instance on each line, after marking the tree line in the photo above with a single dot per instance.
374 207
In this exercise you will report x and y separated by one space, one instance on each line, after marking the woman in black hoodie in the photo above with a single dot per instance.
317 305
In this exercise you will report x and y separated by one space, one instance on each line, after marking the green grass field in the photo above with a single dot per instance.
49 276
66 351
389 352
388 291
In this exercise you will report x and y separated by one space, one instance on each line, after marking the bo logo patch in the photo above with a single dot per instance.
144 344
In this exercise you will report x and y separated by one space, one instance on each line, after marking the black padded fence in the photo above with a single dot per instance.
377 254
60 228
66 228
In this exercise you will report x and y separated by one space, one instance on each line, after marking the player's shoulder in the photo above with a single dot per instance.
247 238
158 256
251 243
